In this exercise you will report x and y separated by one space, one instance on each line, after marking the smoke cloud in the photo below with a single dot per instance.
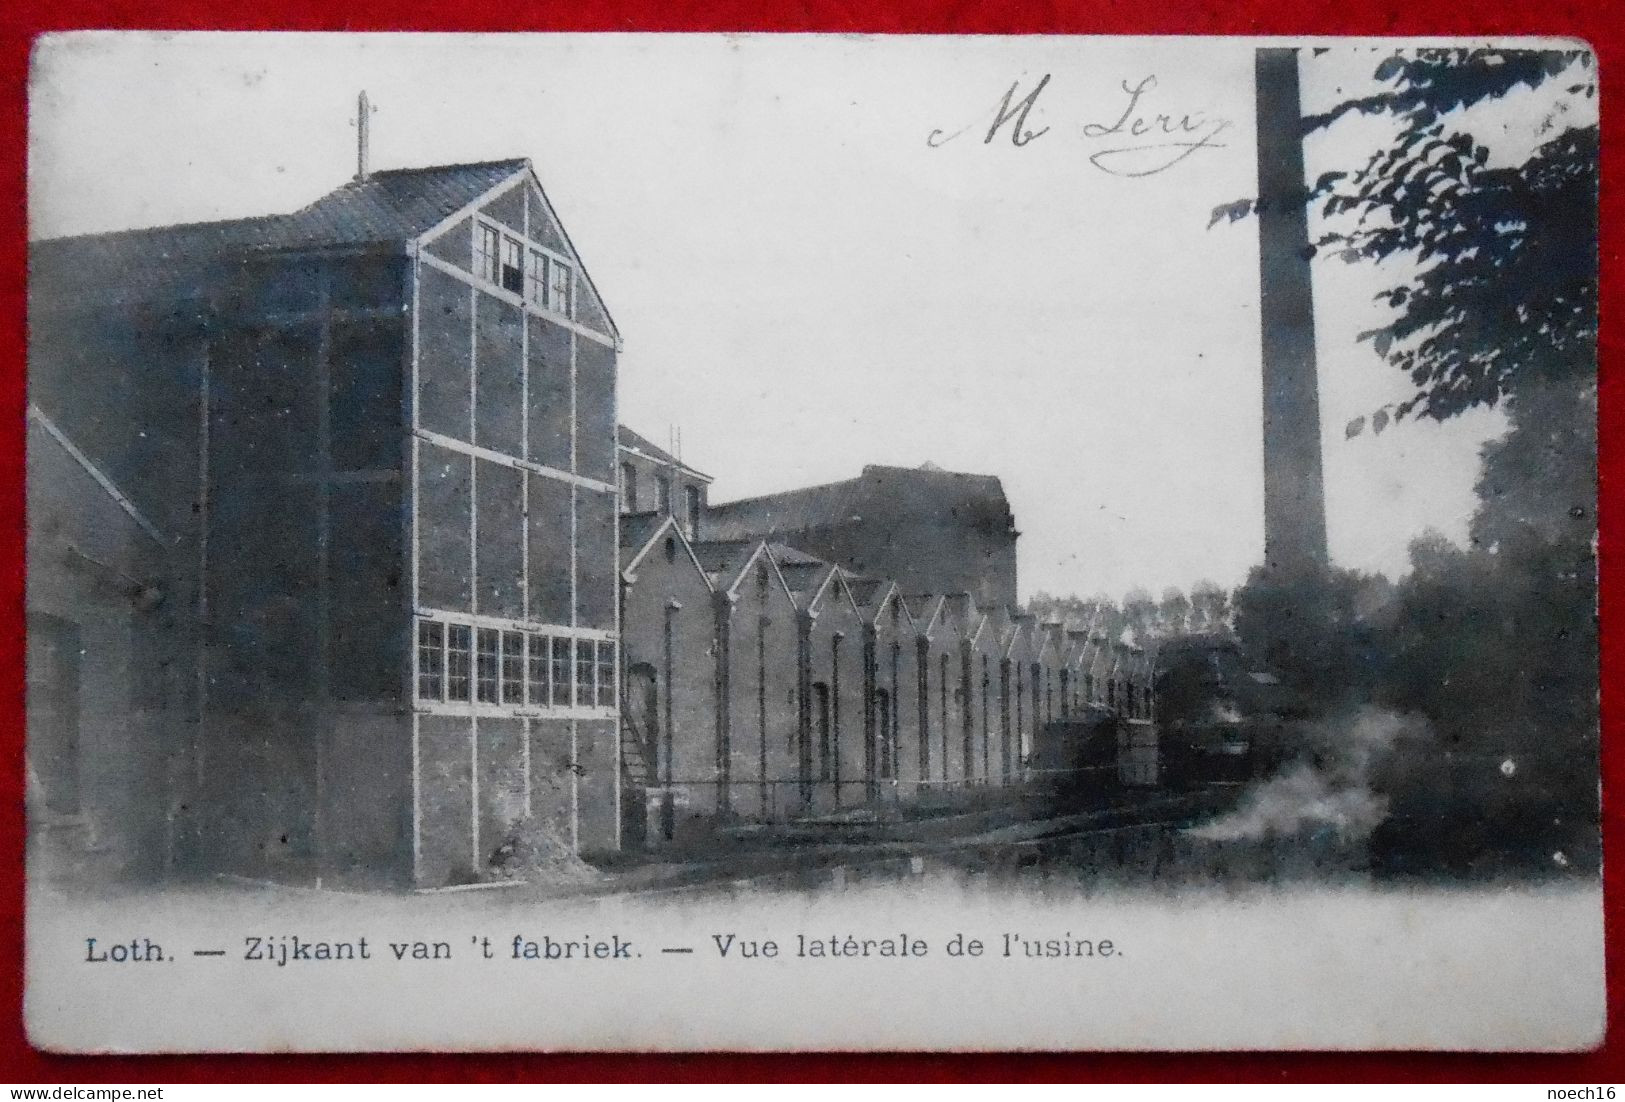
1324 787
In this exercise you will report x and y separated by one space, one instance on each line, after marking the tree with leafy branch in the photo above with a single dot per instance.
1498 290
1493 303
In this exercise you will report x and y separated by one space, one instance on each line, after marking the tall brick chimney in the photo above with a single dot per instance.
1294 486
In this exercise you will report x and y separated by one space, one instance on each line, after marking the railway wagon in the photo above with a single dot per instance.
1087 759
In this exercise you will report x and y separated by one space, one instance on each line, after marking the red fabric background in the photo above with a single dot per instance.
1601 22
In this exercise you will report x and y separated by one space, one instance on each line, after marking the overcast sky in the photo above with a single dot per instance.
805 285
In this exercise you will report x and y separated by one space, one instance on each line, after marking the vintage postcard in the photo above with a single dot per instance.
811 542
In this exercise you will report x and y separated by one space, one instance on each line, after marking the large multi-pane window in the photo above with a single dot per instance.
431 660
485 664
513 667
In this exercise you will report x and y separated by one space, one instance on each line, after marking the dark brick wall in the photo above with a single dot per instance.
499 360
365 568
445 800
890 740
988 716
595 558
508 208
542 227
552 433
456 245
499 546
367 804
501 774
445 503
762 634
931 532
112 724
552 779
595 410
445 312
944 701
598 828
549 520
837 759
646 479
683 727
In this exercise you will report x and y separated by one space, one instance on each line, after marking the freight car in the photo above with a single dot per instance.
1219 720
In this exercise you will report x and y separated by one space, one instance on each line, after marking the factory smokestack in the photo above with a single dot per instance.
1294 490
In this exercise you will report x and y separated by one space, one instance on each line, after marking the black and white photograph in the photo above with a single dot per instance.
683 542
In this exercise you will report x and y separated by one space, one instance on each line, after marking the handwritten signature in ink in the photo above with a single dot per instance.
1138 142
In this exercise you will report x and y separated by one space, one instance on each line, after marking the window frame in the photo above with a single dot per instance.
493 665
512 668
488 251
535 275
516 247
545 278
538 652
561 659
460 663
554 266
605 668
437 649
586 670
487 665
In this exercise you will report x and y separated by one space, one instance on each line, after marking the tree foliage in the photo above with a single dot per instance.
1495 303
1138 617
1499 284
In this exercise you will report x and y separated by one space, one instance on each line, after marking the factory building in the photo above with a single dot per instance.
341 567
376 439
930 530
651 479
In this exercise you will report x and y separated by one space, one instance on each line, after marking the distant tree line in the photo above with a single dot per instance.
1139 617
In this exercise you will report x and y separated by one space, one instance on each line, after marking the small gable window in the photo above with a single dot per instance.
487 250
524 267
535 277
558 287
512 276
